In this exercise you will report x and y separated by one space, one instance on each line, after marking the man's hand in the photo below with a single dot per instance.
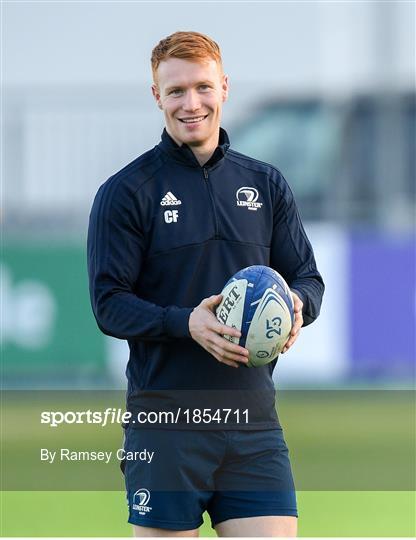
298 305
206 330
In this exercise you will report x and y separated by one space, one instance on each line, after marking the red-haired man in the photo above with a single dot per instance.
165 235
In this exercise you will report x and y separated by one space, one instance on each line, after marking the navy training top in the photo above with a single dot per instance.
165 233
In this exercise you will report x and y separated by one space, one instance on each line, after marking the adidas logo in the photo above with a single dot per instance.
170 200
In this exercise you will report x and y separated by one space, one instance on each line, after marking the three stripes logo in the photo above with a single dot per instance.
170 200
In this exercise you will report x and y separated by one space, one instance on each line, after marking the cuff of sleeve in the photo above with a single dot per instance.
177 322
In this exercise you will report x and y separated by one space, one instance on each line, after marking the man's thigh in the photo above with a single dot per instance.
149 532
261 526
255 487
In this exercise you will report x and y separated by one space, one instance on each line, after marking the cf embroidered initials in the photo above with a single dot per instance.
171 216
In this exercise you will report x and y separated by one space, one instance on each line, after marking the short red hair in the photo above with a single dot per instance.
191 46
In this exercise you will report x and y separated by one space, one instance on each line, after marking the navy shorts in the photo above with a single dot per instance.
230 474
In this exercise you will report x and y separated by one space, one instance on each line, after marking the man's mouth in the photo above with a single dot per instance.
193 120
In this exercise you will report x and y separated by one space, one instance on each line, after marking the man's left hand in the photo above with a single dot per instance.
297 325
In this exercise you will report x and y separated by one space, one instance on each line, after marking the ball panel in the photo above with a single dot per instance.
269 329
231 309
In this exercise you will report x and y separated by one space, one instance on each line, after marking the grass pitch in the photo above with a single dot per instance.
98 514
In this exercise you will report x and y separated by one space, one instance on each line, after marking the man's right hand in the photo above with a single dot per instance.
206 330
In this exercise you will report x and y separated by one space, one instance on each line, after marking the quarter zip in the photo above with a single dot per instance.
211 196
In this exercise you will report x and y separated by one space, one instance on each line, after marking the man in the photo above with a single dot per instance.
165 235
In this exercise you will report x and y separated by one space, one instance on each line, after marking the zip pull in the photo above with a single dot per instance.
205 173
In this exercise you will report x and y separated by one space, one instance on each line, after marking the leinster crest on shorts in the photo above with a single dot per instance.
140 501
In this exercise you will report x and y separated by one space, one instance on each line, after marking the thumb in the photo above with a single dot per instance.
213 301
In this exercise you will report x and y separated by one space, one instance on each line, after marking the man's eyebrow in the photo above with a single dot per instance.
180 86
173 87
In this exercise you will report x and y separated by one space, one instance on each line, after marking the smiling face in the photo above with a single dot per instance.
191 95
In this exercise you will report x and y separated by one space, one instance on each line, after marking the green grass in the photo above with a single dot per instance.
96 514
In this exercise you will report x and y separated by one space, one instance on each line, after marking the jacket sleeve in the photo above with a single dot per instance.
292 254
115 250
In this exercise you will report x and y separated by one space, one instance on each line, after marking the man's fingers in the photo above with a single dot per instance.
296 327
294 333
287 346
297 306
297 302
225 330
293 337
226 355
216 352
228 347
215 325
229 363
212 301
235 357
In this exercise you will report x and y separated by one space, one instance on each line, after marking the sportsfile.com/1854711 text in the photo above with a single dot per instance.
118 416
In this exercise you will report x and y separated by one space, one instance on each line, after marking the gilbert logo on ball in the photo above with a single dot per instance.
257 301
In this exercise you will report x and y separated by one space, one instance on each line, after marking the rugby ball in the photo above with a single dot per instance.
258 302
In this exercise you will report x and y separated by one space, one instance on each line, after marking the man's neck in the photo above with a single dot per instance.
202 153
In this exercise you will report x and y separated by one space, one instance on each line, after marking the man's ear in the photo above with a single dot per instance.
224 87
156 95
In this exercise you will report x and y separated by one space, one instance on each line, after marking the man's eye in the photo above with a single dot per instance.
204 87
175 92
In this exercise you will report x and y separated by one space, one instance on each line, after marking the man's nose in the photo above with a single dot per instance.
191 101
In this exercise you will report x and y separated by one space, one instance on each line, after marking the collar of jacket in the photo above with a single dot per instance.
185 155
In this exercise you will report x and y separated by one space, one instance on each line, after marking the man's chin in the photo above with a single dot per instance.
193 140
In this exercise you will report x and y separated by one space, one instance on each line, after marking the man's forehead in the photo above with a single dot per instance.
176 71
